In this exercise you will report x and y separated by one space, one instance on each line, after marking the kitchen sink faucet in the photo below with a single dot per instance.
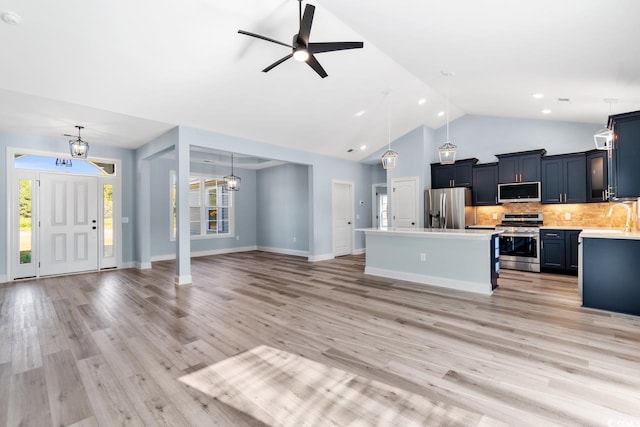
627 226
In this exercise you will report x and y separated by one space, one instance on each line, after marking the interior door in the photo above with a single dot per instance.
342 218
68 224
404 202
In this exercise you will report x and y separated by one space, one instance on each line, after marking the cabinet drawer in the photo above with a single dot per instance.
552 234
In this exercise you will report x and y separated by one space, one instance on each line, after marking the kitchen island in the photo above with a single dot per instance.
609 270
466 260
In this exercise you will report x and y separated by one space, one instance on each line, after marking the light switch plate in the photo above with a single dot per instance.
125 220
495 216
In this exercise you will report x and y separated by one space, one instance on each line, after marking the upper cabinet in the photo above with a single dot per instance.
485 184
519 167
626 155
597 176
458 174
564 179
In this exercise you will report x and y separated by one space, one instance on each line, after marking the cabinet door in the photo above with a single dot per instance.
463 175
485 185
552 188
553 253
627 158
575 181
529 167
597 180
571 248
508 169
441 176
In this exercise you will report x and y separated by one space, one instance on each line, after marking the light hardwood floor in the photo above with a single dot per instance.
107 348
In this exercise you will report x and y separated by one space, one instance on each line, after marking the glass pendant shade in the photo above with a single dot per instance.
389 159
78 148
447 153
232 182
64 162
603 139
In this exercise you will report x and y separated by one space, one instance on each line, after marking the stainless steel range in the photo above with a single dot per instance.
520 241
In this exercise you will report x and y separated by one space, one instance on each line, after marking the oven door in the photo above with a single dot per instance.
520 251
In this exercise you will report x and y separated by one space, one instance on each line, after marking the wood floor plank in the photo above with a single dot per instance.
527 355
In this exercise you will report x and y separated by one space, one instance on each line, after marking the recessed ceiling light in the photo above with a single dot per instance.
546 111
421 101
10 18
538 95
360 113
441 113
363 147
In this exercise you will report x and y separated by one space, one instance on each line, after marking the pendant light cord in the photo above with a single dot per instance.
389 121
448 93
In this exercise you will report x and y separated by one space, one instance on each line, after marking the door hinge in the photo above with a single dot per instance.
38 264
38 181
394 189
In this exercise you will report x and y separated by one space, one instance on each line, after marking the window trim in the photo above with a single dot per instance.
203 177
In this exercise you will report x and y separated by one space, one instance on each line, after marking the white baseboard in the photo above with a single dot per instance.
323 257
284 251
183 280
127 265
359 251
3 278
143 265
168 257
461 285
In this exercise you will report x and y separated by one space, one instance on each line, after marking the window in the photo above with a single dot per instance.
210 207
75 166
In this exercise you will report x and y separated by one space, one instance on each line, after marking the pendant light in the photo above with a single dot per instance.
389 158
232 182
604 137
78 148
447 151
63 163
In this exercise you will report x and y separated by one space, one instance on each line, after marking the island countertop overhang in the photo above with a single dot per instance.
468 234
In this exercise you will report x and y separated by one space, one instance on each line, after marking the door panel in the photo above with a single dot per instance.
404 199
342 218
68 209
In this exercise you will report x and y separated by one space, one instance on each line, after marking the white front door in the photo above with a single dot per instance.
342 218
68 224
404 202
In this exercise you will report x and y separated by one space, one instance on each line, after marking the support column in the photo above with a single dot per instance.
143 220
183 238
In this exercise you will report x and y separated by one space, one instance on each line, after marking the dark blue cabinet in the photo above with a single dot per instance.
564 179
559 251
519 167
459 174
610 274
597 176
626 155
485 184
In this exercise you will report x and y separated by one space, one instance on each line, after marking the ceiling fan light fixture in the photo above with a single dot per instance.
301 54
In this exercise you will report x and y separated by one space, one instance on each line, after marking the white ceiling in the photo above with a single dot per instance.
130 70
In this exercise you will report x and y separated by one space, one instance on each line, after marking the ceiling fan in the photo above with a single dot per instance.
301 49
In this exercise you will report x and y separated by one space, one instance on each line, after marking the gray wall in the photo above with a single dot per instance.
283 207
245 209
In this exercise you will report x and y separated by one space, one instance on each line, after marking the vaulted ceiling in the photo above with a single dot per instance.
130 70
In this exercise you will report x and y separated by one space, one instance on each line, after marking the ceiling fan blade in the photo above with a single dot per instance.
333 46
258 36
278 62
305 24
313 63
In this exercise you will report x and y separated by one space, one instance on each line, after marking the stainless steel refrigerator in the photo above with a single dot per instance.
448 208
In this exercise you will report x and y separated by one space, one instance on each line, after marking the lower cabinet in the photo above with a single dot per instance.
559 251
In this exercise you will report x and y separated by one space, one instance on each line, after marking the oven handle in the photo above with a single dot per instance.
519 235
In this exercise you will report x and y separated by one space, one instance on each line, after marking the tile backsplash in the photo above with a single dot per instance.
580 215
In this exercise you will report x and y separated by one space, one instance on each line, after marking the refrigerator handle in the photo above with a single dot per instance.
443 210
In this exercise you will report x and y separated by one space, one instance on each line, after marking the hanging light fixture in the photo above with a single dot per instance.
604 137
63 163
232 182
389 158
447 151
78 148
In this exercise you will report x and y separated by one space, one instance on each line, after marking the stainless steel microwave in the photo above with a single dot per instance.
519 192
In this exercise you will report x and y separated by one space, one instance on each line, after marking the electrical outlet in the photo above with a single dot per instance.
494 216
294 239
423 257
357 216
567 216
237 237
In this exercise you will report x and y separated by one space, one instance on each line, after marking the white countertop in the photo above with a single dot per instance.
603 233
432 232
